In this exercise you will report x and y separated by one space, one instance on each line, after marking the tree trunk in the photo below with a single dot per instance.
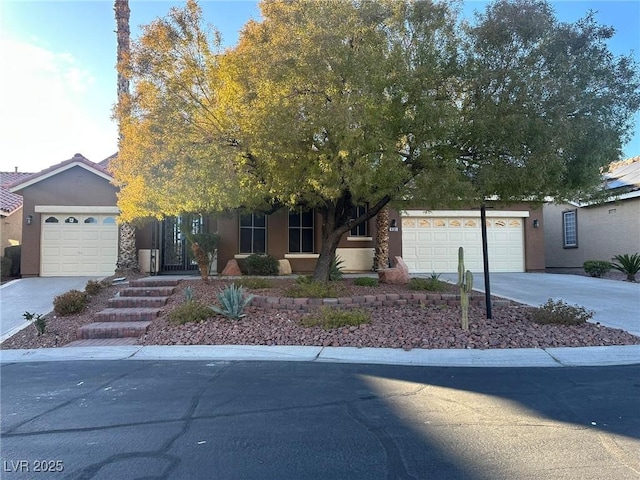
127 252
381 259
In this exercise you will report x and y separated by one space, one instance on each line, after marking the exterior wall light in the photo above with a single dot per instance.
536 223
29 219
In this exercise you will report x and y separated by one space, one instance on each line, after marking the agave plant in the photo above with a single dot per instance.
629 264
232 302
335 270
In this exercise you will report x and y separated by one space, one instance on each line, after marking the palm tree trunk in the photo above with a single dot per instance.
381 259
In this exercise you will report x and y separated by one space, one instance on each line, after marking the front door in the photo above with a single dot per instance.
176 254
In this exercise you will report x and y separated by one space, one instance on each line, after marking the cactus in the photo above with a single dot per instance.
465 282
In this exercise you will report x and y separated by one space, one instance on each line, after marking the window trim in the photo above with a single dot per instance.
301 228
574 215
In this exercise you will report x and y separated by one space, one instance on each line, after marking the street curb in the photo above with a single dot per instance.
520 358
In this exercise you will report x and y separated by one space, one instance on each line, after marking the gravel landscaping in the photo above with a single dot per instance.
401 326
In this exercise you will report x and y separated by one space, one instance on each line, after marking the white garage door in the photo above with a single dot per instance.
430 244
78 244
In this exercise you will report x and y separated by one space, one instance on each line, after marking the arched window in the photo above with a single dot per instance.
71 220
109 220
51 220
90 220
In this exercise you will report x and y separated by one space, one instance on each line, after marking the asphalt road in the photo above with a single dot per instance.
289 420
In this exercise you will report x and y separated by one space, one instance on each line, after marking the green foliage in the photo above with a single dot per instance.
365 281
208 241
254 283
190 311
435 276
465 283
596 268
303 279
629 264
329 318
5 266
312 290
427 284
335 269
38 320
70 302
94 287
14 252
262 264
232 302
560 313
188 294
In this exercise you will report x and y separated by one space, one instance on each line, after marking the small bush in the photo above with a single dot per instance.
38 320
561 313
14 252
188 294
93 287
366 282
5 266
596 268
232 302
329 318
70 302
335 269
304 279
254 283
427 284
260 264
191 311
312 290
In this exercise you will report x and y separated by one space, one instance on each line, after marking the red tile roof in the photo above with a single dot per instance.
9 202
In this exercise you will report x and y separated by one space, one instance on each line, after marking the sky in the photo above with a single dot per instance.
58 76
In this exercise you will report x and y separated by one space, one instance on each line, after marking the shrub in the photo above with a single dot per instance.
303 279
93 287
37 319
69 303
232 301
254 283
596 268
561 313
335 269
312 290
5 266
428 284
188 294
190 311
366 282
14 252
261 264
329 318
629 264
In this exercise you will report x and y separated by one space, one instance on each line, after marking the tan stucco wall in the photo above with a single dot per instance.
603 231
73 187
11 229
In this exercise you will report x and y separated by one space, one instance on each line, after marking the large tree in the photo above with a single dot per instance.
330 105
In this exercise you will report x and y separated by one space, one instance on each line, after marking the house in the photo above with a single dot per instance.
73 231
576 232
10 210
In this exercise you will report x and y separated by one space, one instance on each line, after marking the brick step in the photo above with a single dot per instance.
147 291
103 342
134 314
154 282
112 330
132 302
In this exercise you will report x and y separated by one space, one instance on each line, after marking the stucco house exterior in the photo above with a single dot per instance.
73 231
576 232
11 217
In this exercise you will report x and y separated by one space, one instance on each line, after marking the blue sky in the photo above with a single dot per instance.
58 79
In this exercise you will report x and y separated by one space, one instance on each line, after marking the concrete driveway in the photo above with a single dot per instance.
615 303
34 295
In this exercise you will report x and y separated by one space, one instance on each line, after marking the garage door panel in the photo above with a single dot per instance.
435 248
89 247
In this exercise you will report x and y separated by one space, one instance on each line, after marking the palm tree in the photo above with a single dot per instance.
127 252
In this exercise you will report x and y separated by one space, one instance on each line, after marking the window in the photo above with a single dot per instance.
51 220
570 228
71 220
360 230
90 220
109 220
301 231
253 233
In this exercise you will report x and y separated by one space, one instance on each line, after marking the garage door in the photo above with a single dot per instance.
430 244
78 244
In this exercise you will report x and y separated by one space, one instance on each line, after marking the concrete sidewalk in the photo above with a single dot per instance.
616 304
34 295
527 357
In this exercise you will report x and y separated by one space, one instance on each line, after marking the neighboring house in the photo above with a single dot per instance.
577 232
10 211
74 232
